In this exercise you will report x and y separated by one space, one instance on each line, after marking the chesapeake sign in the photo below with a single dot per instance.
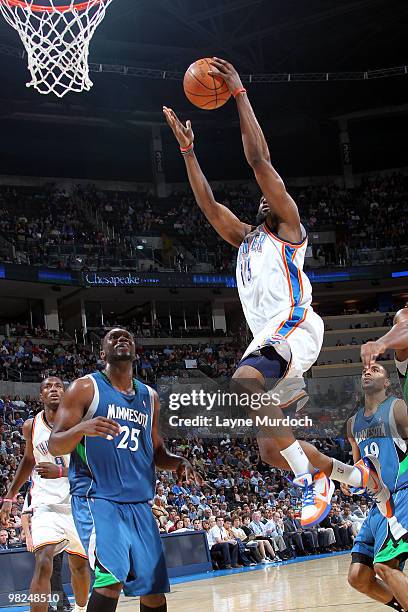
129 279
156 279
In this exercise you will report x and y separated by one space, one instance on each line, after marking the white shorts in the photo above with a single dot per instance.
49 526
297 335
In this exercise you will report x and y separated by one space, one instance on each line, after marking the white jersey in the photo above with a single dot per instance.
47 492
276 297
271 280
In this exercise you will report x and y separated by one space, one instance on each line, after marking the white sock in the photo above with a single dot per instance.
348 474
80 608
297 459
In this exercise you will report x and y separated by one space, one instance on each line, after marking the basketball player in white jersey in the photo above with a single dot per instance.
52 525
276 298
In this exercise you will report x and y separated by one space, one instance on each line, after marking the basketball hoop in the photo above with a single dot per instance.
56 39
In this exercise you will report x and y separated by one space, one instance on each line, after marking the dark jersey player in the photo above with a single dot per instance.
380 427
109 422
397 549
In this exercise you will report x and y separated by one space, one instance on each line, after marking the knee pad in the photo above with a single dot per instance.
268 362
271 356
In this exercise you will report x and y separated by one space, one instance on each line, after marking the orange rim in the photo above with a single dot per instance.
38 8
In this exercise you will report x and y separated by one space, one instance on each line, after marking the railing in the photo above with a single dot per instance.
14 375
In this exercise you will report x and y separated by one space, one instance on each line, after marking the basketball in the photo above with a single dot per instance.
204 90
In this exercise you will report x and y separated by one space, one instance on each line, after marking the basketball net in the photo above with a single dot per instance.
56 39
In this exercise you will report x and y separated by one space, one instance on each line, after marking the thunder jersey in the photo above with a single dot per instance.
271 280
122 469
47 492
378 435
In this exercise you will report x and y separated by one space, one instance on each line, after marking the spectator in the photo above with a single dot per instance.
274 531
219 541
342 532
160 511
357 517
299 537
4 536
257 528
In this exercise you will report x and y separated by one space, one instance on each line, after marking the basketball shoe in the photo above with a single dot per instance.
372 482
317 493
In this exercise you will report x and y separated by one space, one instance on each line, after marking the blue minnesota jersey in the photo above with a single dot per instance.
378 435
122 469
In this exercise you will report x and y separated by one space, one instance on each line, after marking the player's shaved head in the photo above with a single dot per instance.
118 345
112 332
402 315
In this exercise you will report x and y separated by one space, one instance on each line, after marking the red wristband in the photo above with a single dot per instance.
239 91
185 150
7 499
59 471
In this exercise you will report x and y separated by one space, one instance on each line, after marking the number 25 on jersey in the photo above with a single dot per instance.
130 439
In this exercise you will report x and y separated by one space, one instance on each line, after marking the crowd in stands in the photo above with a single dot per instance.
98 229
24 357
248 510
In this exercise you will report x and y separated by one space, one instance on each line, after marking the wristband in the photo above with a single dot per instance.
238 91
59 471
185 150
7 499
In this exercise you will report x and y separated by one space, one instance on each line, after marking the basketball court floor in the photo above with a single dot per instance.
319 584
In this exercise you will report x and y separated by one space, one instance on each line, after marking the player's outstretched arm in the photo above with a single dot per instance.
163 459
69 426
23 473
258 156
396 338
225 223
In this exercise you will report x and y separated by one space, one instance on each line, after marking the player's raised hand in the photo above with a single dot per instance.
185 471
224 69
183 133
100 427
370 351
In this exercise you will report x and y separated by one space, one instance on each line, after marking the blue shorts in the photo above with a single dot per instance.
384 539
124 545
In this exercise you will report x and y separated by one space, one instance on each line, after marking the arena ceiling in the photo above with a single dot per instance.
258 36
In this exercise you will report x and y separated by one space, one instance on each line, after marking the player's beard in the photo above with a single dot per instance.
261 218
269 218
